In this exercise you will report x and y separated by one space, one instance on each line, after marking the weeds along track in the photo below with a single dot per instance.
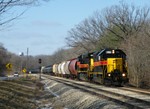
129 98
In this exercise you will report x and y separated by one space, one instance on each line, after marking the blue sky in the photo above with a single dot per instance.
43 28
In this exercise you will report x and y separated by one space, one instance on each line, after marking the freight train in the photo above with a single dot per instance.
107 66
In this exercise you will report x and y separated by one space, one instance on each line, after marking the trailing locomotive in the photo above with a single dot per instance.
107 66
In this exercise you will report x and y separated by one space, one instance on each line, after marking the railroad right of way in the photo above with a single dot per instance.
130 99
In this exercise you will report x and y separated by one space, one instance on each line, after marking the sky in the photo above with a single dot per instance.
43 29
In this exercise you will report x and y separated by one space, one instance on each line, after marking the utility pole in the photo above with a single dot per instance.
27 58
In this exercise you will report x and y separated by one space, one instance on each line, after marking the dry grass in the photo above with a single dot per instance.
19 94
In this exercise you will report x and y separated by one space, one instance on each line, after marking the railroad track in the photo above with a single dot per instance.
130 98
136 90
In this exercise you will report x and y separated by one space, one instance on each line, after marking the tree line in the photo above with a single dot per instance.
6 17
120 26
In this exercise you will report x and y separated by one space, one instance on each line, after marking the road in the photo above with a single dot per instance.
8 77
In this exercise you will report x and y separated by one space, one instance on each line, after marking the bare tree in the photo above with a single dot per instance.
121 26
127 23
92 34
6 6
86 34
128 19
4 58
6 16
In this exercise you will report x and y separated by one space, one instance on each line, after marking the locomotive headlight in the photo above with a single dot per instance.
109 74
113 51
123 74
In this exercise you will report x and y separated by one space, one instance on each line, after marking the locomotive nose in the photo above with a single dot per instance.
114 64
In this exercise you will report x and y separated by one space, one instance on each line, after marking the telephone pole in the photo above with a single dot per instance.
27 58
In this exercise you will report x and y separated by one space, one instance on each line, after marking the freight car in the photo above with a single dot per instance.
107 66
47 70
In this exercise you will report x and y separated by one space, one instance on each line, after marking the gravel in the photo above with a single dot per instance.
60 96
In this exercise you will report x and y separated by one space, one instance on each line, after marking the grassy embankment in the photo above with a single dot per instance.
20 94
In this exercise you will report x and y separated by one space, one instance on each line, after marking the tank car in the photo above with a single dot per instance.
55 69
64 69
73 68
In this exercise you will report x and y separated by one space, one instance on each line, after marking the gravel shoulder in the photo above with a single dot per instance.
59 96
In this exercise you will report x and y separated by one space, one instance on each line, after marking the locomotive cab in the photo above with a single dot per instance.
115 70
85 65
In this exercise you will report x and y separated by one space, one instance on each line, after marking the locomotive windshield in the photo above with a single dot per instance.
111 53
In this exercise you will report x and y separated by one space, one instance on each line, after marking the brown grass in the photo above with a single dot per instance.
19 94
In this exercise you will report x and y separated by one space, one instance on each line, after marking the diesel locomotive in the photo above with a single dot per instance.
107 66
